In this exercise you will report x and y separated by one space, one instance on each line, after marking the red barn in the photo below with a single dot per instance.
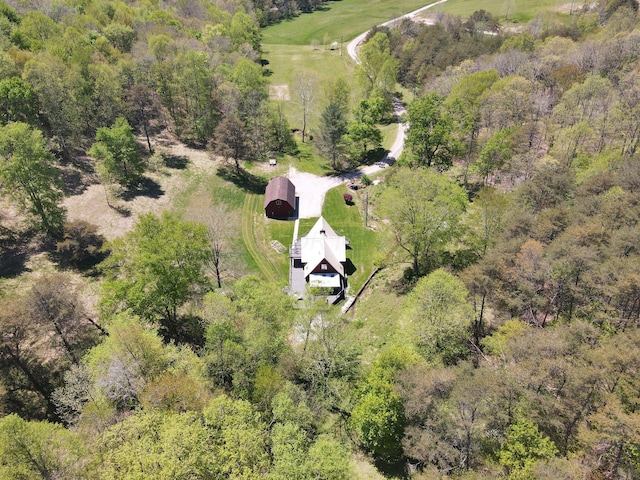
280 198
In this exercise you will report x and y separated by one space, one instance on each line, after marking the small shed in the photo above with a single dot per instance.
280 198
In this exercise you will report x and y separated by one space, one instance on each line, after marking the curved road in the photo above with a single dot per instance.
398 108
311 189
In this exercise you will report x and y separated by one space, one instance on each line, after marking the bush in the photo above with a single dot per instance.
366 181
348 198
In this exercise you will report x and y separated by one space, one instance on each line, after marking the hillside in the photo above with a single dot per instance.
146 331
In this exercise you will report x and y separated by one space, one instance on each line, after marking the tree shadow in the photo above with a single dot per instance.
72 182
17 247
145 188
12 261
122 210
176 162
243 179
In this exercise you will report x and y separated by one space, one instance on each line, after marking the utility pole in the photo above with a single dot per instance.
366 208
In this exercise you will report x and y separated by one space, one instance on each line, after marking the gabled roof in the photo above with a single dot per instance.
322 229
322 243
319 251
280 188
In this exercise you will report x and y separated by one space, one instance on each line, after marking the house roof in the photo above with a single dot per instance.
322 229
280 188
322 243
317 252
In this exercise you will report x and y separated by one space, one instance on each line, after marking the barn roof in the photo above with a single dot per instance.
280 188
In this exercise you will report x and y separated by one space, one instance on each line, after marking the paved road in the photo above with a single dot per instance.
311 189
352 47
398 107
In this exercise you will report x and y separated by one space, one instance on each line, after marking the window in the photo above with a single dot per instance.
323 266
278 202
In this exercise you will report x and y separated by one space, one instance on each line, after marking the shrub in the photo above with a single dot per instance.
348 198
366 181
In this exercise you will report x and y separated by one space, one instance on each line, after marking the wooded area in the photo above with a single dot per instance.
506 340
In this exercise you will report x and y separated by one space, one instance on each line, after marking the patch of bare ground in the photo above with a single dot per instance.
279 92
116 216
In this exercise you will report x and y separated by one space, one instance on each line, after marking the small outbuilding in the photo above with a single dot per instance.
280 198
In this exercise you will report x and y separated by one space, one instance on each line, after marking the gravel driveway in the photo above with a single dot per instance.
311 189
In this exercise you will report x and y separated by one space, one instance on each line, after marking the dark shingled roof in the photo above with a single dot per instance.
280 188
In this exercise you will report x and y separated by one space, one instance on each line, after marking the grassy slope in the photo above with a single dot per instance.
516 10
348 220
344 20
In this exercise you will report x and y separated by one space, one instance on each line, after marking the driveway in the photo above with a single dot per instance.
311 189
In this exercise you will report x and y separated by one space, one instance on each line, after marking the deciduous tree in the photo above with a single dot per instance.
117 149
28 176
156 268
425 210
429 136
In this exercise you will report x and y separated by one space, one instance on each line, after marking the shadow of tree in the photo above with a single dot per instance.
145 188
16 247
12 261
177 162
243 179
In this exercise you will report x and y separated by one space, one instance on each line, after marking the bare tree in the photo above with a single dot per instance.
220 228
53 303
305 90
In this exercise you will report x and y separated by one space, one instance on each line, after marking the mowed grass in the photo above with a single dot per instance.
519 11
324 65
348 220
343 20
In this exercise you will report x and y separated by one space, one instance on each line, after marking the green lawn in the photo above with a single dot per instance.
338 20
344 20
516 10
324 65
348 220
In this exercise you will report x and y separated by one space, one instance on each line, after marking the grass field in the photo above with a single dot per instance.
345 19
337 21
348 220
518 11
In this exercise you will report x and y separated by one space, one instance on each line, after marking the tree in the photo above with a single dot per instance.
152 444
429 136
28 177
28 379
52 303
239 438
494 154
217 220
18 101
117 149
378 69
524 446
304 96
144 106
363 131
378 416
230 139
425 209
440 316
156 268
333 126
33 450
